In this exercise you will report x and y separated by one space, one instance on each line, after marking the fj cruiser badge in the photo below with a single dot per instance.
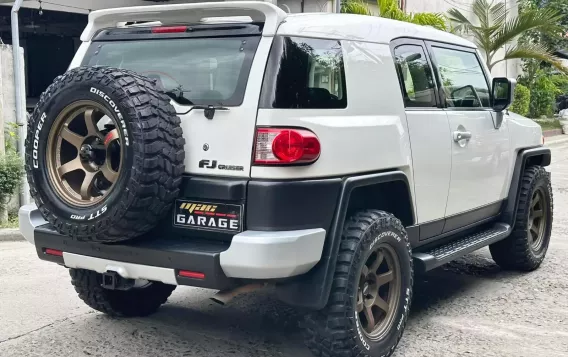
212 164
217 217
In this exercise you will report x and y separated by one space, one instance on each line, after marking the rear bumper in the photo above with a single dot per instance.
258 255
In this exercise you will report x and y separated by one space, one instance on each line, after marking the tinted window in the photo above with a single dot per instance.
304 73
417 80
463 78
191 70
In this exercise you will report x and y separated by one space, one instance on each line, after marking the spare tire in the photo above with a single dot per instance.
104 154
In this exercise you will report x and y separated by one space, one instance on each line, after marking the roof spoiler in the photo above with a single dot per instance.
258 11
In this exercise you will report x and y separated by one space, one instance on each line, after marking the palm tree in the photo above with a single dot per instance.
494 29
391 10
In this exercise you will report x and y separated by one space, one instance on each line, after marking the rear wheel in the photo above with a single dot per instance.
527 245
371 293
140 300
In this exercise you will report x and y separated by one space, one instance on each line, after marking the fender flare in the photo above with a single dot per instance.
312 290
537 156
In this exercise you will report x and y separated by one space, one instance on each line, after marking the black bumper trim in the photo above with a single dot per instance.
291 205
178 254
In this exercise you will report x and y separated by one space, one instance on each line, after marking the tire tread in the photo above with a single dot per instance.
336 339
514 252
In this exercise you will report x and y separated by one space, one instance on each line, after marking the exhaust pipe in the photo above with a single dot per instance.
223 297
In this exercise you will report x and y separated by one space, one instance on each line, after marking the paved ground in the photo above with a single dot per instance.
468 308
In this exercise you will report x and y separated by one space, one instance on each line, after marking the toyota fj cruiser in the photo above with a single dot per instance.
333 156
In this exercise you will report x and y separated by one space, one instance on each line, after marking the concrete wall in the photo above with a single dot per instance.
7 97
8 102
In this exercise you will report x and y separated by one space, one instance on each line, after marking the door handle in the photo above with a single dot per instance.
461 135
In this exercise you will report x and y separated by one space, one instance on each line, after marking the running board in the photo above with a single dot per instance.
454 249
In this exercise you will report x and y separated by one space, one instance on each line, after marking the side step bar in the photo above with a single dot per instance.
446 253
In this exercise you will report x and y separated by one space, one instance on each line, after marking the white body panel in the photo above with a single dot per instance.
432 162
523 133
369 135
480 165
230 134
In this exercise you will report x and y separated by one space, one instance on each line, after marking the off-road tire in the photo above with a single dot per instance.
148 182
336 330
136 302
516 252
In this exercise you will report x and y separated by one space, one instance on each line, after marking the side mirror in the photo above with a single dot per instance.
502 93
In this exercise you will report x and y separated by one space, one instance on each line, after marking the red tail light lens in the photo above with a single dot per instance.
191 274
54 252
285 146
169 29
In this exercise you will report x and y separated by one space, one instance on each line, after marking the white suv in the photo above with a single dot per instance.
228 145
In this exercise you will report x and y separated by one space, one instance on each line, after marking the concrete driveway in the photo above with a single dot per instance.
467 308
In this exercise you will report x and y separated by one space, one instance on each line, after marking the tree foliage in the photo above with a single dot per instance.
390 9
11 166
521 103
555 39
494 28
543 93
11 171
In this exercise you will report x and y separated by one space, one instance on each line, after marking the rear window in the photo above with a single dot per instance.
304 73
197 71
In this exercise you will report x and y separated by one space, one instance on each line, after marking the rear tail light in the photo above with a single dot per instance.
285 146
169 29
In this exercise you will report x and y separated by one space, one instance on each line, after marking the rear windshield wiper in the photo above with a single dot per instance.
209 110
177 95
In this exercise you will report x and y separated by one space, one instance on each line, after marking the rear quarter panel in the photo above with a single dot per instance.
371 134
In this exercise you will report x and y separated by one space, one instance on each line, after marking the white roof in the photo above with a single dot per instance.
361 28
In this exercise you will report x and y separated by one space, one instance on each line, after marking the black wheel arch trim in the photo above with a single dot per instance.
312 290
538 156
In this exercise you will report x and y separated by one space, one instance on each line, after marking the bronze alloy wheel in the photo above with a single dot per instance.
537 219
378 294
84 155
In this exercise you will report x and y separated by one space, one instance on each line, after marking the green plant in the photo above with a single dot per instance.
390 9
553 39
11 171
12 221
495 28
11 136
358 7
543 95
521 103
561 82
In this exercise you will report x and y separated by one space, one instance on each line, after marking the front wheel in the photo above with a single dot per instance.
370 299
527 245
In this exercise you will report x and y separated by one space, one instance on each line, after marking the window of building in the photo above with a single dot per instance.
463 79
305 73
417 80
